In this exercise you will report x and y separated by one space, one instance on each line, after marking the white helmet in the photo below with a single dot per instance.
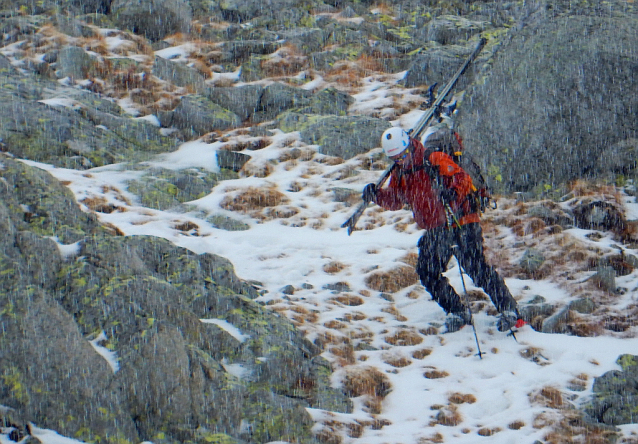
394 141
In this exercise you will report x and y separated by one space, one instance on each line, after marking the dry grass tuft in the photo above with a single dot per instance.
350 300
488 432
100 204
435 374
447 416
404 338
394 312
397 361
361 381
252 199
333 267
345 353
460 398
256 169
393 280
548 397
516 425
420 354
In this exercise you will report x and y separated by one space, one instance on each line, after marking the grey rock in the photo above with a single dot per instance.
530 311
605 278
73 27
451 29
196 116
343 136
288 289
178 74
231 160
278 98
587 50
532 260
74 62
241 100
162 189
308 40
557 323
551 214
439 65
327 101
615 394
227 223
584 305
153 19
239 51
599 215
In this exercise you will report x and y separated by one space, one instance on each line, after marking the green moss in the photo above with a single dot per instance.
626 361
13 380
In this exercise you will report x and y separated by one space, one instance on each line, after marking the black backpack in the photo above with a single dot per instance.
449 141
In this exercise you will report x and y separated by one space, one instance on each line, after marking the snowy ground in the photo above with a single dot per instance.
440 390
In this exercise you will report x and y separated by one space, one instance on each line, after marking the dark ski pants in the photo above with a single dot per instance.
437 246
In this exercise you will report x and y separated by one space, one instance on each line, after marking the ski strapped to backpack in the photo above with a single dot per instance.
419 128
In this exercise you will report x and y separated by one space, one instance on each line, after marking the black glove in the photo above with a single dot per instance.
369 193
448 195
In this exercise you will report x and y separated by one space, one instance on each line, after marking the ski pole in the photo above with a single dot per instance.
469 310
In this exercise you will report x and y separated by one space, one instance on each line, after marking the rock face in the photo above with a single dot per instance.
616 394
554 100
176 378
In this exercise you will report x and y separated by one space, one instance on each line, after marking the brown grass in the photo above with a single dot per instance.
350 300
252 199
549 397
448 416
397 361
361 381
516 425
100 205
404 338
485 431
435 374
420 354
460 398
333 267
393 280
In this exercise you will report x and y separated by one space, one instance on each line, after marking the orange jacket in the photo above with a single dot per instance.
412 185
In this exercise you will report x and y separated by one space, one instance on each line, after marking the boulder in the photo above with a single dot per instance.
278 98
196 116
153 19
615 394
341 136
450 29
141 299
74 62
241 100
178 74
554 67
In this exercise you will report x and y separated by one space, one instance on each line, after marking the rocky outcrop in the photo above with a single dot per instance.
140 300
541 114
616 394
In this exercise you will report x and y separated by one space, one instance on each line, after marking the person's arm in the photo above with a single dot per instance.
390 196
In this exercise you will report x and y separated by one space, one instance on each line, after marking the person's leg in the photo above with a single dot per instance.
435 251
471 256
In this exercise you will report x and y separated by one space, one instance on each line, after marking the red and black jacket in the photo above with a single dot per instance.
418 185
